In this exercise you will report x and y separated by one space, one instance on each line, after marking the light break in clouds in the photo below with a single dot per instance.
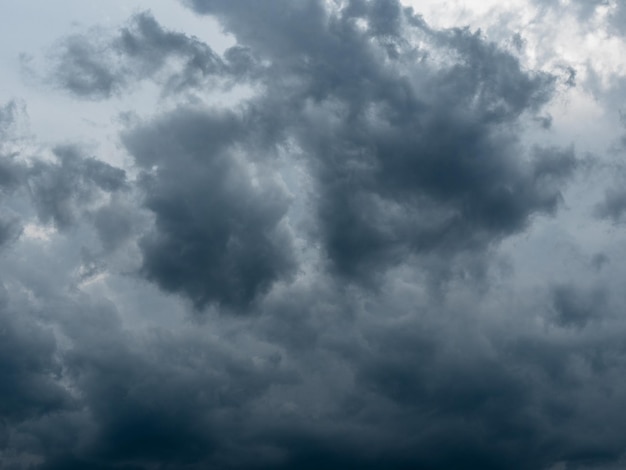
341 234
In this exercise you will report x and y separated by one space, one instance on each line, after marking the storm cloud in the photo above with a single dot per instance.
345 237
219 232
98 65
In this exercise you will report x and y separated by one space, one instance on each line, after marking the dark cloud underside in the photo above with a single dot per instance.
410 157
218 237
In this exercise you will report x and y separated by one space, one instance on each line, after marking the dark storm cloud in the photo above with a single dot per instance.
98 65
60 191
613 205
219 237
8 113
599 260
618 18
464 398
114 224
391 393
10 229
416 158
29 368
11 173
83 71
160 399
575 307
587 8
410 157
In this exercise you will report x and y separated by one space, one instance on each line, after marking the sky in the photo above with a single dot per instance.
312 234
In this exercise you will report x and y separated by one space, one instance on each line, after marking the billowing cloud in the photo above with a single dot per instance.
27 366
353 239
414 149
60 189
220 234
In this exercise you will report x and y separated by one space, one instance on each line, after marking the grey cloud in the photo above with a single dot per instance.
60 190
29 368
408 166
433 395
613 205
477 410
161 399
576 307
219 237
147 47
544 121
395 391
132 421
416 159
405 167
585 7
99 65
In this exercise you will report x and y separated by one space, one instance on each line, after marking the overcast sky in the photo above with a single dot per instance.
312 234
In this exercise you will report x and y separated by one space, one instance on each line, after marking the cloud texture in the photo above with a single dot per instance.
376 251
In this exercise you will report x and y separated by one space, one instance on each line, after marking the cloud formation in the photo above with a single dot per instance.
385 252
219 232
409 155
97 65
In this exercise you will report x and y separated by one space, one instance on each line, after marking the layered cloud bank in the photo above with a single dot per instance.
344 234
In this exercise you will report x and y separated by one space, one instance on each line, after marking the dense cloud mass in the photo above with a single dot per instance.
218 233
380 247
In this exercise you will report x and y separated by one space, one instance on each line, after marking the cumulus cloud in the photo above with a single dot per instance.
220 234
414 149
385 255
28 366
